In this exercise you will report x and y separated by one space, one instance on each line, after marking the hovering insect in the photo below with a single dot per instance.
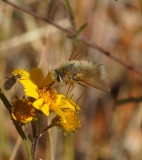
11 81
84 72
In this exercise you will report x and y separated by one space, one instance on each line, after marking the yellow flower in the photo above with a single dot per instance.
51 101
46 99
22 110
70 123
32 81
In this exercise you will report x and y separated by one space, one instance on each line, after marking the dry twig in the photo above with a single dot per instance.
129 100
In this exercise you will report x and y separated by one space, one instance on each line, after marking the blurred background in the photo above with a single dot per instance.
111 129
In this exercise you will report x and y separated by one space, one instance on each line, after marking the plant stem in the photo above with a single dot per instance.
17 125
5 101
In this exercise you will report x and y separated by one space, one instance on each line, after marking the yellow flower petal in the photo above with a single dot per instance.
28 84
59 98
26 120
67 103
36 76
13 116
62 103
45 109
48 80
71 104
59 112
31 93
38 103
30 88
24 74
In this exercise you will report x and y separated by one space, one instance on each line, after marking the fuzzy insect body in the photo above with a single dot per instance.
82 72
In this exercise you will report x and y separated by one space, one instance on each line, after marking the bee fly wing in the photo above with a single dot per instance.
79 52
95 78
99 84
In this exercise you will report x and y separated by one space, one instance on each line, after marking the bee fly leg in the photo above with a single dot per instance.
60 86
70 89
50 85
82 93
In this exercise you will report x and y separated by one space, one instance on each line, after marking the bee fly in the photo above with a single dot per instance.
84 72
11 81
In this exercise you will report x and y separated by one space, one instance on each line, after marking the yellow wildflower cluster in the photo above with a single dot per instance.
22 110
71 121
41 97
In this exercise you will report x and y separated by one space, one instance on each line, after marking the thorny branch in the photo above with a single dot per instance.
81 38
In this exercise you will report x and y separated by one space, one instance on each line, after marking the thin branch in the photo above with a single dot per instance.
48 127
128 100
83 39
106 53
28 11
